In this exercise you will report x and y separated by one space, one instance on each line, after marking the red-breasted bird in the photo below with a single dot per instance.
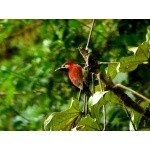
75 73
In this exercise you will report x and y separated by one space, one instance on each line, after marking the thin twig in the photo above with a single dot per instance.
104 113
89 35
100 83
98 32
105 63
85 105
134 92
86 97
129 116
104 107
79 98
87 64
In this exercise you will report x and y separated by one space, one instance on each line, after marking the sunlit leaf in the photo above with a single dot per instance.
143 52
96 97
132 49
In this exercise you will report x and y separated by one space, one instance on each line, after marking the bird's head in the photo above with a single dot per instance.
65 66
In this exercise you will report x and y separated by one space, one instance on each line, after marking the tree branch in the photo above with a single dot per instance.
124 97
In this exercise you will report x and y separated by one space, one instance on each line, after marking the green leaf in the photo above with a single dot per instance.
111 70
88 124
141 55
101 98
96 110
98 102
130 63
148 35
65 120
143 51
98 87
95 104
111 97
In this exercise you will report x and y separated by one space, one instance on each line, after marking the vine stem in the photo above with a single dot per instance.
129 116
87 64
104 107
134 92
106 63
86 48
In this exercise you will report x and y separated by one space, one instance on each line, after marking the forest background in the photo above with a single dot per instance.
31 50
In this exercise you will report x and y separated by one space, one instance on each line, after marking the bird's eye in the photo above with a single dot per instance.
66 66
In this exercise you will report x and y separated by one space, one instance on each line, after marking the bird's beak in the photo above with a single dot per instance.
62 69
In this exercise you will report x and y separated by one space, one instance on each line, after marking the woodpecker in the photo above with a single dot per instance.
76 76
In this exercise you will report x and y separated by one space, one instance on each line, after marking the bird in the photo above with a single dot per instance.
76 75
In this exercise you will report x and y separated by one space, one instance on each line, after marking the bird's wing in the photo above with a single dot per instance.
78 83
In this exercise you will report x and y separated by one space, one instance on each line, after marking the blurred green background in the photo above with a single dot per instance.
30 51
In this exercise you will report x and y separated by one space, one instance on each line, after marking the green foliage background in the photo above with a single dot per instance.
30 51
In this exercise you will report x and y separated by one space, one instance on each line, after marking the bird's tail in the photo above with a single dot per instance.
86 90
